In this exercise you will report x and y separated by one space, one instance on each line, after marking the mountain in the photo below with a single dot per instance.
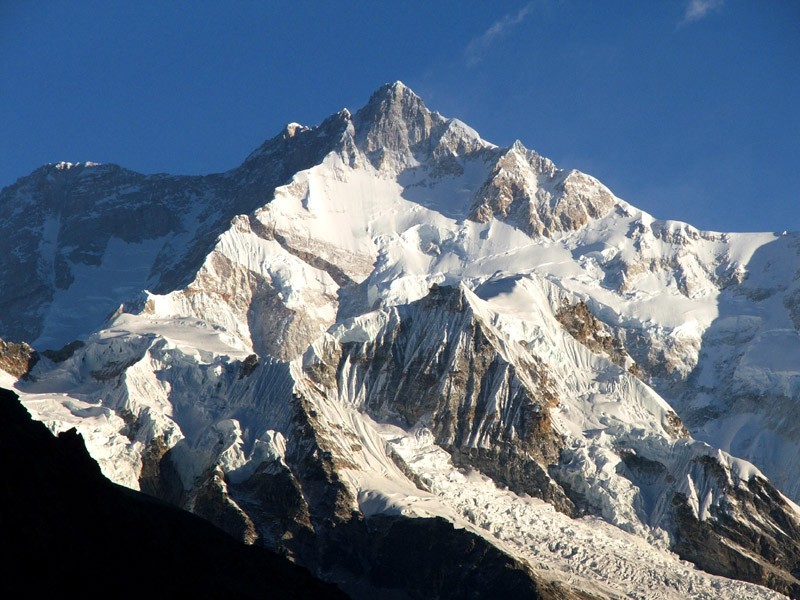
68 529
385 341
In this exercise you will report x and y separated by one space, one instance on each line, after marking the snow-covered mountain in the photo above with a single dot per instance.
384 330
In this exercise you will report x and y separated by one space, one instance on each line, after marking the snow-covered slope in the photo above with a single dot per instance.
387 316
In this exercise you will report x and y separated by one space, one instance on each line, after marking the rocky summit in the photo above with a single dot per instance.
420 365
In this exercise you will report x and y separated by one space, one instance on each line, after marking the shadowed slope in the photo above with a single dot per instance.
67 528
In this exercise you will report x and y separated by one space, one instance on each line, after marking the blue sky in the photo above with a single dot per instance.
689 109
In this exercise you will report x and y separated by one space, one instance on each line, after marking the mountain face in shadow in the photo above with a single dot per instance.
67 529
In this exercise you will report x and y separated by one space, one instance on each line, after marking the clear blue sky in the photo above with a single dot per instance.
689 109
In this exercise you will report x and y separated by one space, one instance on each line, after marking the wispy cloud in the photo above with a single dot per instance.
478 45
698 9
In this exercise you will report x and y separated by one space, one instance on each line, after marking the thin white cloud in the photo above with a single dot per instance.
478 45
698 9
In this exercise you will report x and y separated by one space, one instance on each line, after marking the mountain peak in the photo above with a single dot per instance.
393 98
395 123
395 88
398 85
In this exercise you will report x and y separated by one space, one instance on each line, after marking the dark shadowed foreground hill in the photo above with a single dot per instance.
67 529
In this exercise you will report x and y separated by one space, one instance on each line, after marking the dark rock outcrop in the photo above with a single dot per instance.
580 323
753 535
64 352
17 359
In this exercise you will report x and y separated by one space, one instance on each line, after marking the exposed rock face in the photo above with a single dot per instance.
62 217
490 413
158 476
581 324
584 326
304 508
395 123
63 353
274 499
397 134
17 359
526 190
763 550
211 500
792 303
249 365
